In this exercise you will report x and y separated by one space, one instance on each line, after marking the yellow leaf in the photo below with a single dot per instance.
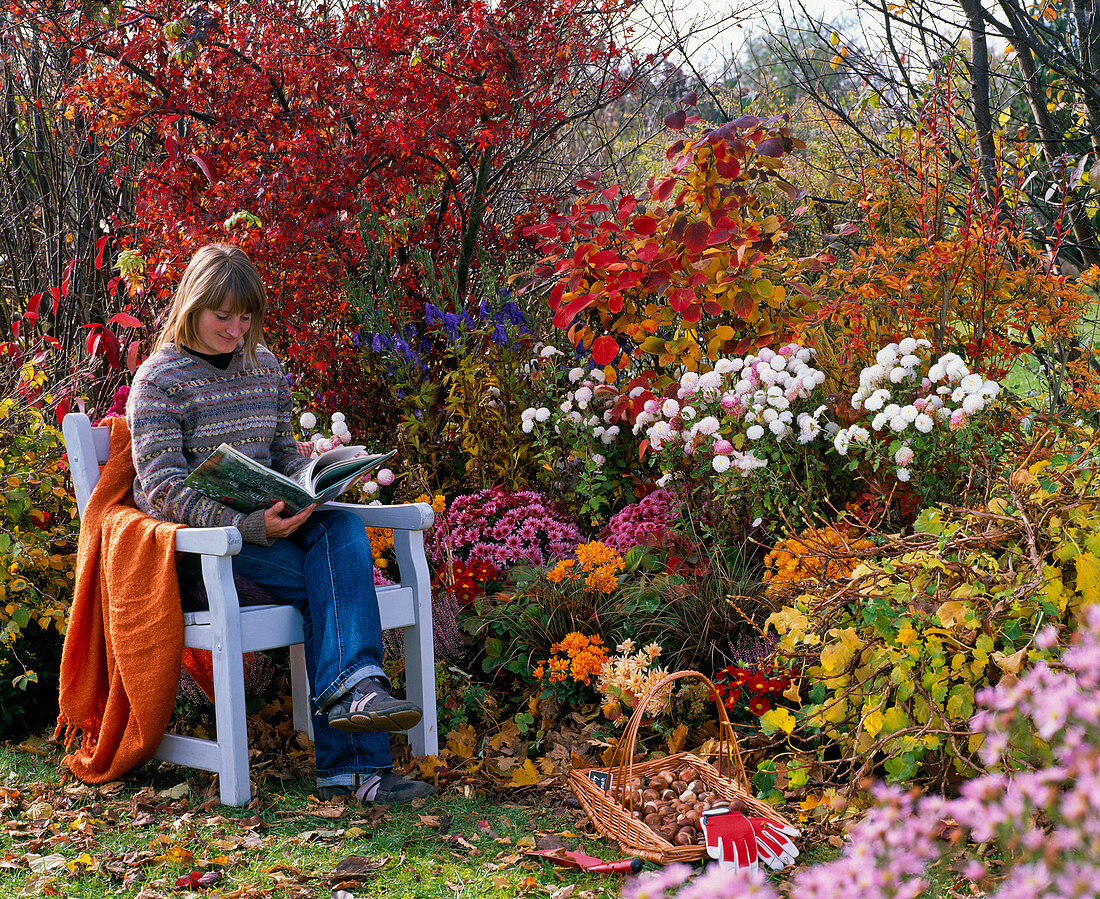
462 742
1088 578
778 719
1010 664
526 776
952 612
872 722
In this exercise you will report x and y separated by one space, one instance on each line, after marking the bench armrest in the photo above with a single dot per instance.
404 517
209 541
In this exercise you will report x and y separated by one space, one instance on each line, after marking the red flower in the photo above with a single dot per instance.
758 705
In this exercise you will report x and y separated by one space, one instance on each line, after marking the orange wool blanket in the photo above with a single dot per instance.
121 663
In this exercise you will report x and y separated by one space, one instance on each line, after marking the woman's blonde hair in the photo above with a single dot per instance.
219 276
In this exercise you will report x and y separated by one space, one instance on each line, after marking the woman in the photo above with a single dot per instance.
210 381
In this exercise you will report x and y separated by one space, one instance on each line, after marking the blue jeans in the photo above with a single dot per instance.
326 571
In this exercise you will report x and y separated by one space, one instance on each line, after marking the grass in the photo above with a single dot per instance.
137 838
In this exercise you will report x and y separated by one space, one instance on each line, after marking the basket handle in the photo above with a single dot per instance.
729 765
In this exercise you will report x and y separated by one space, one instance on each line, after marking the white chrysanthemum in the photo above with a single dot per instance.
743 386
338 416
879 421
528 425
897 375
858 434
755 432
582 396
720 463
972 383
749 461
841 442
665 479
636 392
936 372
708 425
318 438
724 367
576 416
907 345
566 406
340 428
887 354
542 413
779 428
308 421
769 415
990 390
903 474
547 351
909 413
809 430
575 374
689 383
710 382
904 455
688 413
597 375
874 402
923 423
778 363
897 423
670 407
973 403
528 414
780 402
598 460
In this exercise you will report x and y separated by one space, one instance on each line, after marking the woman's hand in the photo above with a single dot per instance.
278 526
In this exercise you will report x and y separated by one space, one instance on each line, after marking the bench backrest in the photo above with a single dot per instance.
87 448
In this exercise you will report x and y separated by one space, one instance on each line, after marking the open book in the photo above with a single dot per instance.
232 478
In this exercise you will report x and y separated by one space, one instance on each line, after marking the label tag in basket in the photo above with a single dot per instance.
601 779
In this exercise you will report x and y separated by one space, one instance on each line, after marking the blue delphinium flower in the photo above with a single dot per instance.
432 314
450 323
499 335
376 343
514 313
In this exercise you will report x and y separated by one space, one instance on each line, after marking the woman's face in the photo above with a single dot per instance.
221 331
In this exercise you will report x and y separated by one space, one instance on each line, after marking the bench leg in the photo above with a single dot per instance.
299 688
420 687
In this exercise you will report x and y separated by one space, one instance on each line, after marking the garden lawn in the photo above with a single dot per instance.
139 838
163 833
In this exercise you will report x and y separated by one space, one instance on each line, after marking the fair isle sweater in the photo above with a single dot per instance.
181 408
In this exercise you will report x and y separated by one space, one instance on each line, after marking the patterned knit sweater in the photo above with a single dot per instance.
181 408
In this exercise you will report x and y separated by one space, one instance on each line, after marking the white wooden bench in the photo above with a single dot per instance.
229 631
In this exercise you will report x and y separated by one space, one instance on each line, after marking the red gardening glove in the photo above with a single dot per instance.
773 842
730 838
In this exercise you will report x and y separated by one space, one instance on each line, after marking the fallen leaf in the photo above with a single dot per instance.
440 822
176 792
357 865
43 863
564 892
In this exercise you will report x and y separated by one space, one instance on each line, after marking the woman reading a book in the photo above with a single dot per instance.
211 381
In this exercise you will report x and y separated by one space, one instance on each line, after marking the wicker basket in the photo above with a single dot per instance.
610 806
